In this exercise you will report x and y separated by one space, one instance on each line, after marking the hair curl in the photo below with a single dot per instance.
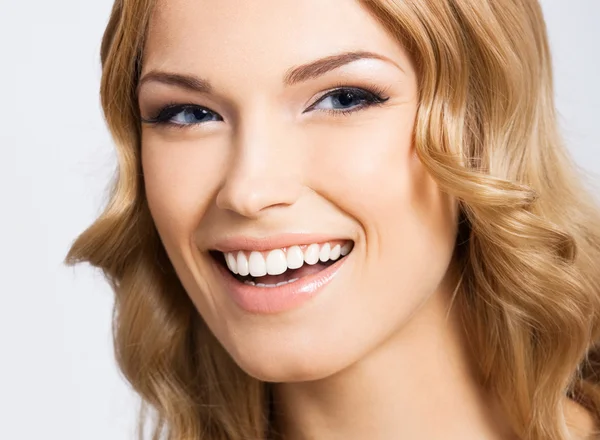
528 247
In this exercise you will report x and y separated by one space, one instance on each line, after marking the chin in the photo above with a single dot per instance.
285 366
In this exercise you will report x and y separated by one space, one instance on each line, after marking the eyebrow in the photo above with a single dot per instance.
295 75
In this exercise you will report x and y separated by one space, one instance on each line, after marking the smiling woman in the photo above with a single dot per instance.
346 219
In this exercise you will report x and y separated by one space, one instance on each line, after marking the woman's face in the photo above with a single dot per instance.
275 151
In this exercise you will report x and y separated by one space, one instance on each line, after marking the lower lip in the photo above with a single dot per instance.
271 300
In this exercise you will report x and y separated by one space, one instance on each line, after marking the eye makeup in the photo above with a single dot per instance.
185 115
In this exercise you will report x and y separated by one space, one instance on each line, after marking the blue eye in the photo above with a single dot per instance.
183 115
347 100
342 101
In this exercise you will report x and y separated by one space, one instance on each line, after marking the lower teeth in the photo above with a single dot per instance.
252 283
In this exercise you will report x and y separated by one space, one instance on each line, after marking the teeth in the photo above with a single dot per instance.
345 250
287 282
325 252
277 261
311 256
258 266
252 283
242 264
231 262
295 257
335 252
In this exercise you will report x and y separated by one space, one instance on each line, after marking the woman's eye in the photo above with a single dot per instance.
183 115
341 101
347 100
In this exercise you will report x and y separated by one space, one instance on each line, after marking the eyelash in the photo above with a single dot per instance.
369 96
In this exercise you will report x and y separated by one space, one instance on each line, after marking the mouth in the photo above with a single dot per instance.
279 279
282 266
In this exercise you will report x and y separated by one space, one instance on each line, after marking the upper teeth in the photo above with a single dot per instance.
277 261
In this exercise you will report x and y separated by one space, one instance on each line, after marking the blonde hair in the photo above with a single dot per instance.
528 248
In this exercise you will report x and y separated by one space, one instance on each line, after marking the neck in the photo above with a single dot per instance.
417 384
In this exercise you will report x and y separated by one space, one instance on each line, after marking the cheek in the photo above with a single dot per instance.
180 178
409 224
364 165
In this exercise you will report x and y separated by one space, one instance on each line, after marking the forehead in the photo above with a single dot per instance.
231 38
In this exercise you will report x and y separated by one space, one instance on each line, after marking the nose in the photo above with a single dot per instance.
264 171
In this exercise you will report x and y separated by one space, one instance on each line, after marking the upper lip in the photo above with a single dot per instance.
248 243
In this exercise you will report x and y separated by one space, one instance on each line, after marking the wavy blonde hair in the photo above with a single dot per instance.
528 249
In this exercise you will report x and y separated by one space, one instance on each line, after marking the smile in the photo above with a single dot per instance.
276 280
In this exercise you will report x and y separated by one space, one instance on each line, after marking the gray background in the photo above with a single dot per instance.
58 379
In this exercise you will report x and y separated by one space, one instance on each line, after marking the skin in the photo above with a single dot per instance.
378 354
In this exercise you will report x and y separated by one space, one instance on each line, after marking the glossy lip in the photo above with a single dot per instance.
272 300
246 243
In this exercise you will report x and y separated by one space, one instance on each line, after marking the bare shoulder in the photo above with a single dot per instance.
581 422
